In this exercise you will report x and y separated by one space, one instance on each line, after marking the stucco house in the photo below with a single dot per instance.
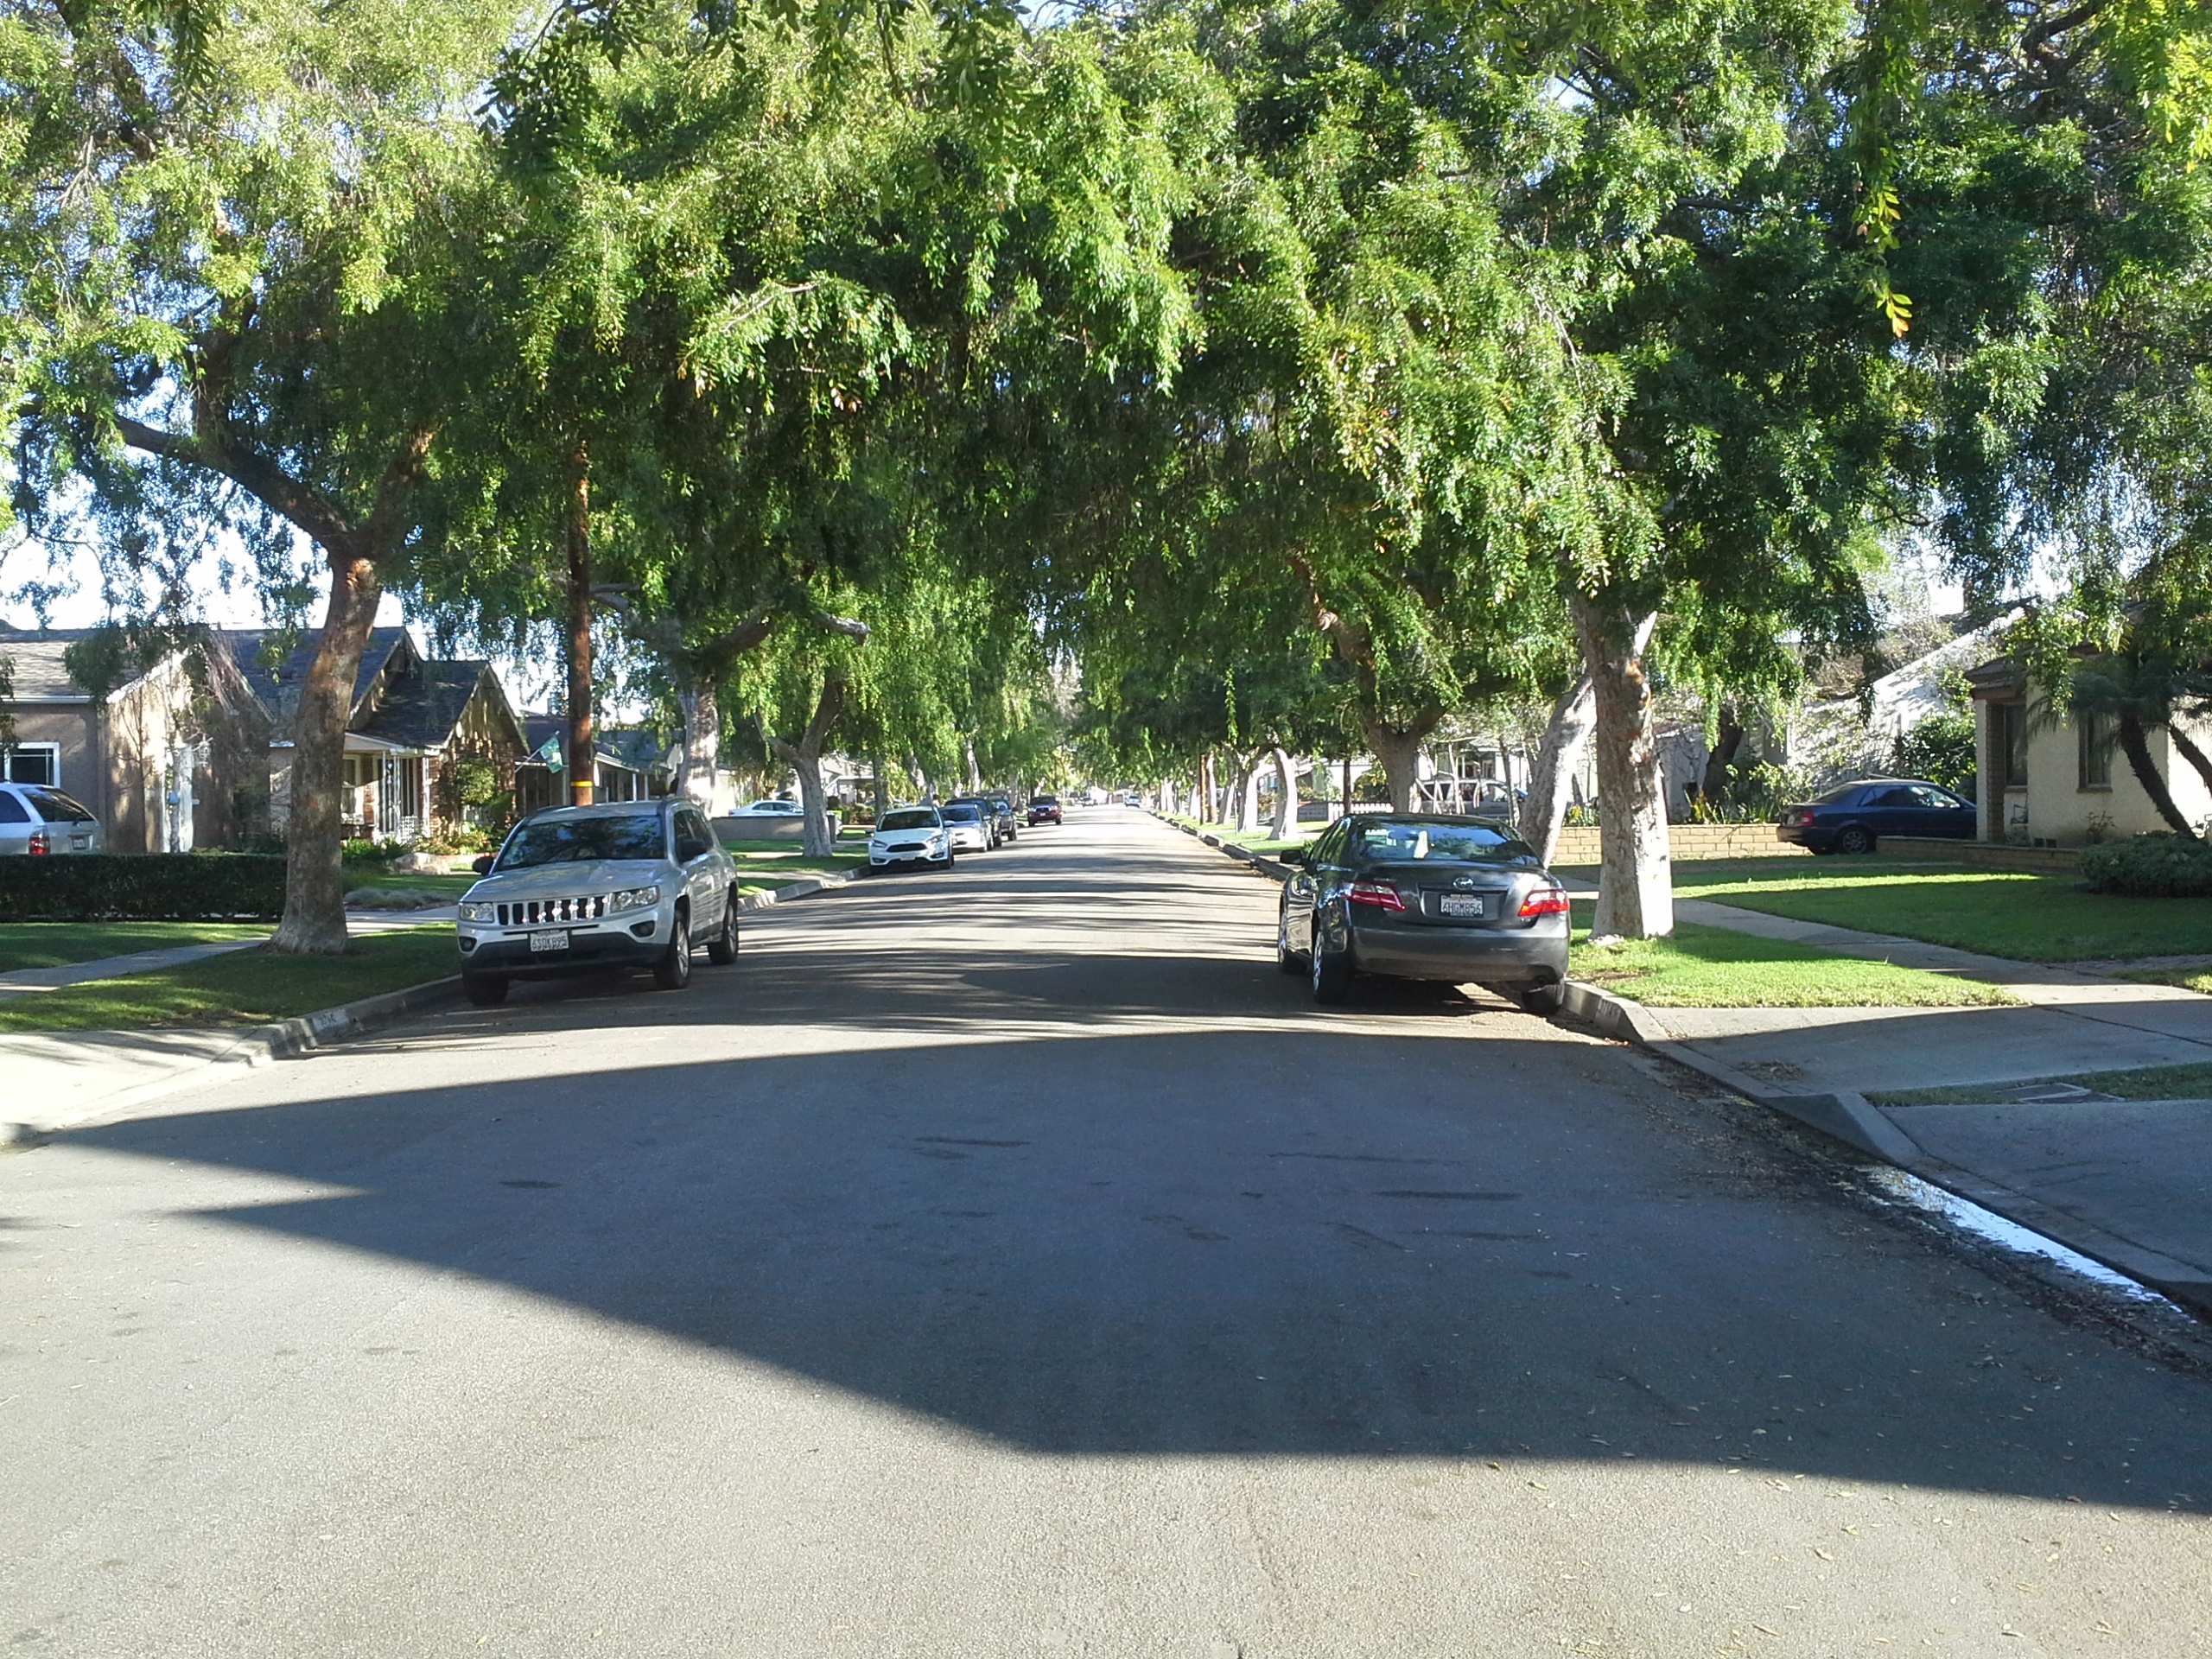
415 719
2051 778
172 757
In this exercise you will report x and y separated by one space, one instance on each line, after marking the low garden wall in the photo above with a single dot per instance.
1578 843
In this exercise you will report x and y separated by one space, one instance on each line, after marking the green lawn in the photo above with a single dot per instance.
2148 1083
1256 842
2004 913
53 944
244 988
1710 968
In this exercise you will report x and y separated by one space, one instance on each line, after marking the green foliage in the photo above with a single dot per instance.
148 886
2150 866
1940 749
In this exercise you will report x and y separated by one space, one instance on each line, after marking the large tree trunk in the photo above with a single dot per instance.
1398 749
2136 747
804 757
583 748
1285 797
2186 748
699 775
1636 895
1551 783
314 923
1248 794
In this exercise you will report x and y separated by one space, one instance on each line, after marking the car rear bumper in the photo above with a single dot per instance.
588 949
1533 955
1810 835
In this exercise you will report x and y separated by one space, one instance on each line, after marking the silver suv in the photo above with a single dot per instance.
576 889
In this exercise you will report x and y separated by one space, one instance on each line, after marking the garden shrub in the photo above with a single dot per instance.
2162 866
142 887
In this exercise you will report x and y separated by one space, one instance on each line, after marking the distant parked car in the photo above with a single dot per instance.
1853 817
1045 809
573 888
37 820
985 812
778 808
972 831
1009 816
1424 897
907 836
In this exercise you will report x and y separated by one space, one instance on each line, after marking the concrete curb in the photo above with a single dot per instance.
1864 1127
1260 861
806 887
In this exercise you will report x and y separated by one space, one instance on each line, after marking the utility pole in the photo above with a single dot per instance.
583 763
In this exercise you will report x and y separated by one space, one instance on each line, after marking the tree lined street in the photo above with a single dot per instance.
1015 1262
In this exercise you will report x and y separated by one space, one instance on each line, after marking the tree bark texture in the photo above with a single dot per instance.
1398 749
696 779
314 923
2186 748
804 757
2136 746
1636 895
1551 785
584 750
1285 818
1248 794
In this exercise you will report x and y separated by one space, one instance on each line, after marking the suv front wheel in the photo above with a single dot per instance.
673 971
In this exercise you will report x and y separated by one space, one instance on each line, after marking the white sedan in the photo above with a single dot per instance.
965 822
909 835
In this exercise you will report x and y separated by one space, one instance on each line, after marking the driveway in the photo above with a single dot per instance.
1012 1262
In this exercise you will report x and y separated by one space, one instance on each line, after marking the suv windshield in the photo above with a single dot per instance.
576 840
53 806
914 817
1480 842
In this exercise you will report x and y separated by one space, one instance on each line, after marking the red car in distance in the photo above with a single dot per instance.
1045 809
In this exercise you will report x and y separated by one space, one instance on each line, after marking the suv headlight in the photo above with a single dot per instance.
634 898
478 909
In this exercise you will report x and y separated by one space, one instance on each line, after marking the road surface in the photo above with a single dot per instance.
1013 1263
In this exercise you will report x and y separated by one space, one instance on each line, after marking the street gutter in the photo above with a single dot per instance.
1852 1119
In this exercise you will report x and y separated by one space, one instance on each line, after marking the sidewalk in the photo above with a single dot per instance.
24 980
2125 1183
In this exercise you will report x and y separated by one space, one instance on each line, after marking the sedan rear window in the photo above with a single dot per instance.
1484 843
914 817
575 841
1840 796
964 814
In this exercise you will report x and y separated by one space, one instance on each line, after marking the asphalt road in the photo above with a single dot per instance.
1013 1263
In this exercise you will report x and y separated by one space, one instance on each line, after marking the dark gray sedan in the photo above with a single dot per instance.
1423 896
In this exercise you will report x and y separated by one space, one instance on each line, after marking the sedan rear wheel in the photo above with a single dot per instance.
673 971
1332 971
1854 838
1543 1001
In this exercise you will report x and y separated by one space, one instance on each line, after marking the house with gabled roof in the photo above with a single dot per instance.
416 723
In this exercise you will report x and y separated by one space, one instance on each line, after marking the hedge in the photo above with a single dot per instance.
2150 866
141 887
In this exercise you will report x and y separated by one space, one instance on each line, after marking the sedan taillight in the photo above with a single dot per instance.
1544 901
39 842
1381 895
1797 817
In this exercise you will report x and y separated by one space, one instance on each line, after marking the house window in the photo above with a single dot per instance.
2096 763
33 763
2011 722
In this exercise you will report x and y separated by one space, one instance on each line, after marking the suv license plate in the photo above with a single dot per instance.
1463 903
554 941
80 843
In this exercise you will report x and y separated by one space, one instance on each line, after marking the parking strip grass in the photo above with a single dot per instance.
1712 968
243 987
2146 1083
2027 918
56 944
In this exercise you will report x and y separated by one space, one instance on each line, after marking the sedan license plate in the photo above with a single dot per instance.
80 843
556 940
1463 903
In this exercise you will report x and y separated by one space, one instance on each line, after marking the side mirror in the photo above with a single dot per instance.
1291 855
481 864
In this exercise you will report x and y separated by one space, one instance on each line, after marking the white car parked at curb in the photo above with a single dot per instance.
908 835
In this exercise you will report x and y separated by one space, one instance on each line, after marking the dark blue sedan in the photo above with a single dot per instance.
1853 818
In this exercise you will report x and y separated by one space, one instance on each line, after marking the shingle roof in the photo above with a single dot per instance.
421 707
39 673
278 687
